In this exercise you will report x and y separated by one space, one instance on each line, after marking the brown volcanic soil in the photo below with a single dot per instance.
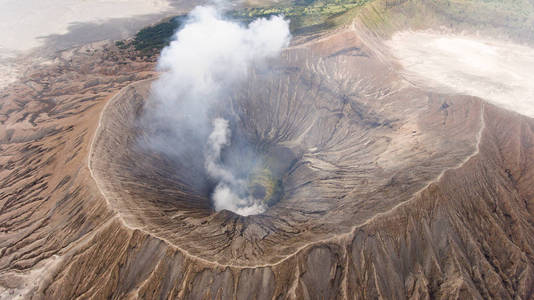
396 192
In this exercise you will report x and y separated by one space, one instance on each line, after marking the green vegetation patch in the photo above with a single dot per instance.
153 38
512 18
307 16
513 15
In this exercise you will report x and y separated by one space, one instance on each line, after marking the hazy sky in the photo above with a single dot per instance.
27 24
24 21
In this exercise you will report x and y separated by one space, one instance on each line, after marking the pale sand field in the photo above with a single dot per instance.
24 22
497 71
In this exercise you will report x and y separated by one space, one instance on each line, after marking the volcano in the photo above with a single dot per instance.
376 181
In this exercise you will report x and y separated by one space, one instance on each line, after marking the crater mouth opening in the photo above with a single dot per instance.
257 177
228 169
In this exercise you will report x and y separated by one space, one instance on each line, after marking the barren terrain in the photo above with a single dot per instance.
393 188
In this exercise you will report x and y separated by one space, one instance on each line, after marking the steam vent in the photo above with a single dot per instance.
383 170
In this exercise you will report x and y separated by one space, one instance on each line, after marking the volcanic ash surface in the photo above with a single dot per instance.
498 71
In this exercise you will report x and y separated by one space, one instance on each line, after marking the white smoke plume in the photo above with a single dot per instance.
228 190
210 53
218 139
207 58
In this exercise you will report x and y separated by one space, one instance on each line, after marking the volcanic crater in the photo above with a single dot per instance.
344 138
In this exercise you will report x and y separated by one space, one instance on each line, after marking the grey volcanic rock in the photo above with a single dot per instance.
390 190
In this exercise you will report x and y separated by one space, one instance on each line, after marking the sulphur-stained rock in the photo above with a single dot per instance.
389 189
